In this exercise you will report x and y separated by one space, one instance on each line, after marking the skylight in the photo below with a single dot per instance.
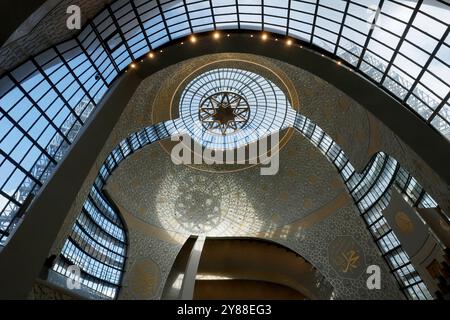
267 109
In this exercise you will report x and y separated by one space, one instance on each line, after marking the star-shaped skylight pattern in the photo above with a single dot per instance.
224 112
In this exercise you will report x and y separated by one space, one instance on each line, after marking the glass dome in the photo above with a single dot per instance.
229 108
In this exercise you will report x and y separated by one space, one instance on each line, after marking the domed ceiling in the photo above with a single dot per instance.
305 206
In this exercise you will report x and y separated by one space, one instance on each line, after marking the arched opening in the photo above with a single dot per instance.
247 268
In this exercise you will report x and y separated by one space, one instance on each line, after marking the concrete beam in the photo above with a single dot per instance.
14 13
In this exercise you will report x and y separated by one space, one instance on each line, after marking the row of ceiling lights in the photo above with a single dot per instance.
217 35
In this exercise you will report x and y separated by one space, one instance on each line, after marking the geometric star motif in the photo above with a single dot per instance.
224 112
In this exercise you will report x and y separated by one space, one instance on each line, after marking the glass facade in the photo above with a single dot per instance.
370 191
46 100
98 241
97 244
403 47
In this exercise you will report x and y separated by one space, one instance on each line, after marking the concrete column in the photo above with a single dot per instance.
415 238
437 224
188 286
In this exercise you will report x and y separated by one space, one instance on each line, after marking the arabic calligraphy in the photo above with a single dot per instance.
346 257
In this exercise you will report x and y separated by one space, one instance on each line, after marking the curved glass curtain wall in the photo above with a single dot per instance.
98 243
402 46
370 191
